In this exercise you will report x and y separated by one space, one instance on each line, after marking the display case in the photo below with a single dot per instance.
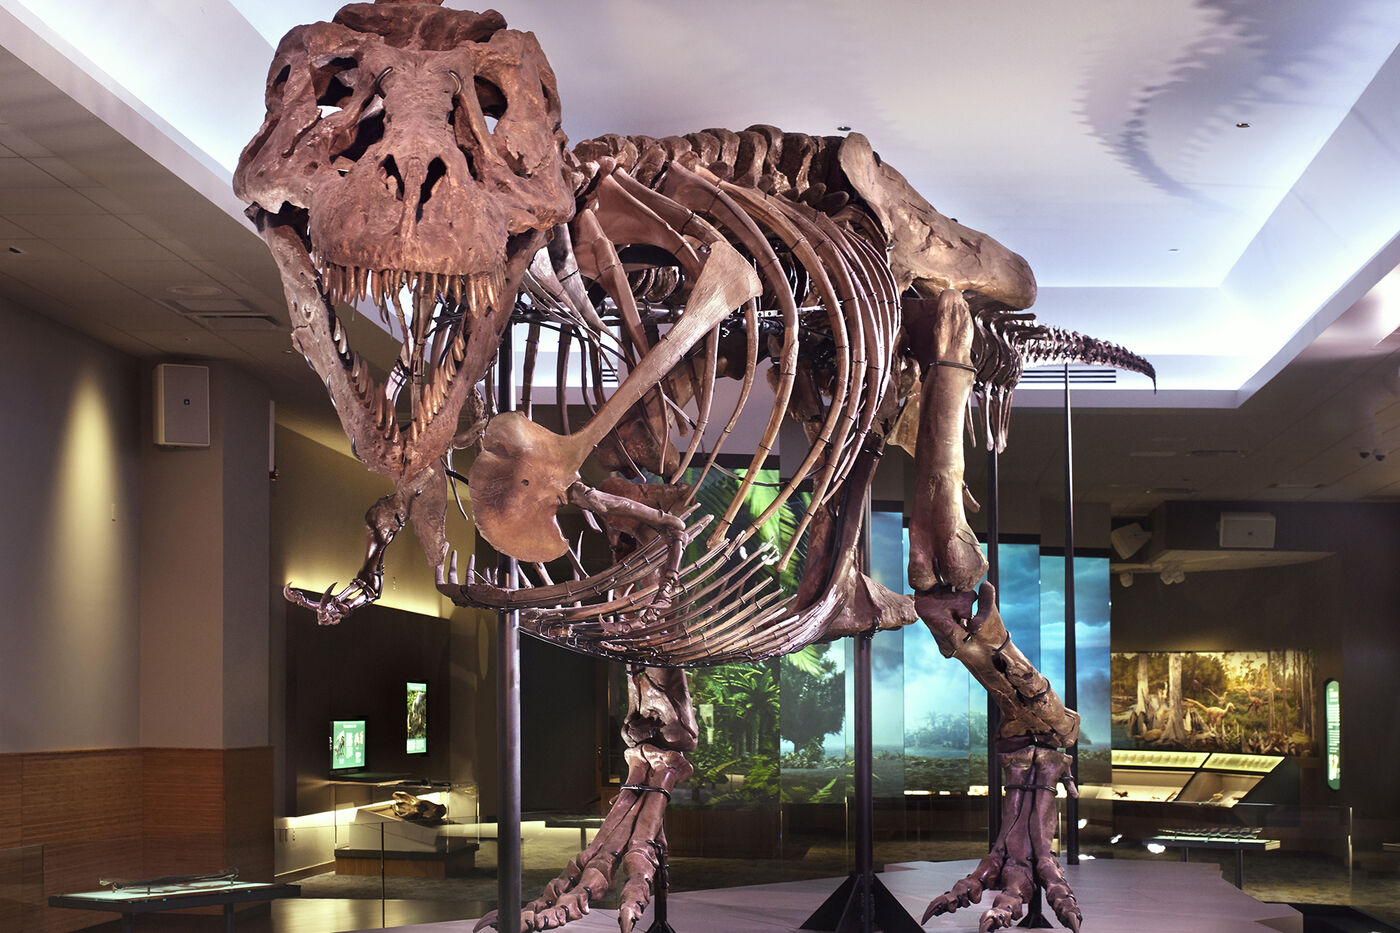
1220 779
378 833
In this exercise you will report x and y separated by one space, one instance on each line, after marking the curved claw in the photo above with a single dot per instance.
329 609
489 920
965 893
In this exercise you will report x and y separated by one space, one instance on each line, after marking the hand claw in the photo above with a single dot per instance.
489 920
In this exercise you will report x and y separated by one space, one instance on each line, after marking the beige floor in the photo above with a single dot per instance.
1125 896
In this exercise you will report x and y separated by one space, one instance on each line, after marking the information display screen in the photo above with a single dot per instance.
1333 710
417 718
347 744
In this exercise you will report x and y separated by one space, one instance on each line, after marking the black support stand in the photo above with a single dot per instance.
660 886
1071 661
994 578
1035 913
507 705
862 903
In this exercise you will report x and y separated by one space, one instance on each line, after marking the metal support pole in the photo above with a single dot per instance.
507 703
862 903
1071 665
993 711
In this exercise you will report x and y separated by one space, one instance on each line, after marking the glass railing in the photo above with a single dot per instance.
21 888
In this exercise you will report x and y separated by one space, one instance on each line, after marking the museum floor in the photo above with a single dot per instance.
1120 890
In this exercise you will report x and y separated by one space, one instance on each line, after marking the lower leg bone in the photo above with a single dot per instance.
660 727
1034 725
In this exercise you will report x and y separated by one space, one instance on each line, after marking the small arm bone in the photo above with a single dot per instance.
619 511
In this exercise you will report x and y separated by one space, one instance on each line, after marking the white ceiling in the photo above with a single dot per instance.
1096 137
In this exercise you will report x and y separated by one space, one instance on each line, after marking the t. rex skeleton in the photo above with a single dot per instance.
412 158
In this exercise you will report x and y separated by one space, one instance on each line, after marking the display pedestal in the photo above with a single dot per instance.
862 903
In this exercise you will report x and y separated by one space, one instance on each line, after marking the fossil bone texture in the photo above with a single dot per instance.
412 164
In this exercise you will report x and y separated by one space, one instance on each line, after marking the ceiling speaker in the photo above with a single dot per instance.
1246 530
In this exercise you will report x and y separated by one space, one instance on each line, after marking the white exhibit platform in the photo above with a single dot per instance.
1127 896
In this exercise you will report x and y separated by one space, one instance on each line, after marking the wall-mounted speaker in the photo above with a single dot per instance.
1246 529
182 405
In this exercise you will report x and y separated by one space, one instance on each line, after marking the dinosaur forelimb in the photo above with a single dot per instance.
382 522
621 512
660 727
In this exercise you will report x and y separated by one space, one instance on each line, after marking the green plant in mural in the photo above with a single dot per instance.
718 490
752 696
812 697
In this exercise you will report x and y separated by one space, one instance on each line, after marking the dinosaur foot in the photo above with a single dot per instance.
631 838
1022 858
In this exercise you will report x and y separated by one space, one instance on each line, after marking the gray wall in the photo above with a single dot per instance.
134 577
68 555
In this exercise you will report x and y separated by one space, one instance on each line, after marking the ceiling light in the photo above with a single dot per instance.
1115 838
843 128
1126 579
1241 126
16 250
1156 848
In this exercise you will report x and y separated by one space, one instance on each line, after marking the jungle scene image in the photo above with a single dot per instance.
779 731
1256 702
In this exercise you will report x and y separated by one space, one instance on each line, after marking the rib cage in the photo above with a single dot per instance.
828 294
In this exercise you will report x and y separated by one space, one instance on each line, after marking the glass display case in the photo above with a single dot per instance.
405 828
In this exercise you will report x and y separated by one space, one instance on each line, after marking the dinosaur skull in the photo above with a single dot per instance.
408 150
419 142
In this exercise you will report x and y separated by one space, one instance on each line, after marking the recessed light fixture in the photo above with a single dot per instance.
16 250
1174 250
1241 126
843 128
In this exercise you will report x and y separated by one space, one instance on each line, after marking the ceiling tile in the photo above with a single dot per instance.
47 201
116 256
21 173
77 226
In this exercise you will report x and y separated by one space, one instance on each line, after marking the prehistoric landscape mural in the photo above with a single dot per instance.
1257 702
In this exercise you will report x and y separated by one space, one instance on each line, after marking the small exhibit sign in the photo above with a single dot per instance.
1333 711
347 744
417 718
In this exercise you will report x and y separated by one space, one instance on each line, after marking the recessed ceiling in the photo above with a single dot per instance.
1197 179
1100 139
